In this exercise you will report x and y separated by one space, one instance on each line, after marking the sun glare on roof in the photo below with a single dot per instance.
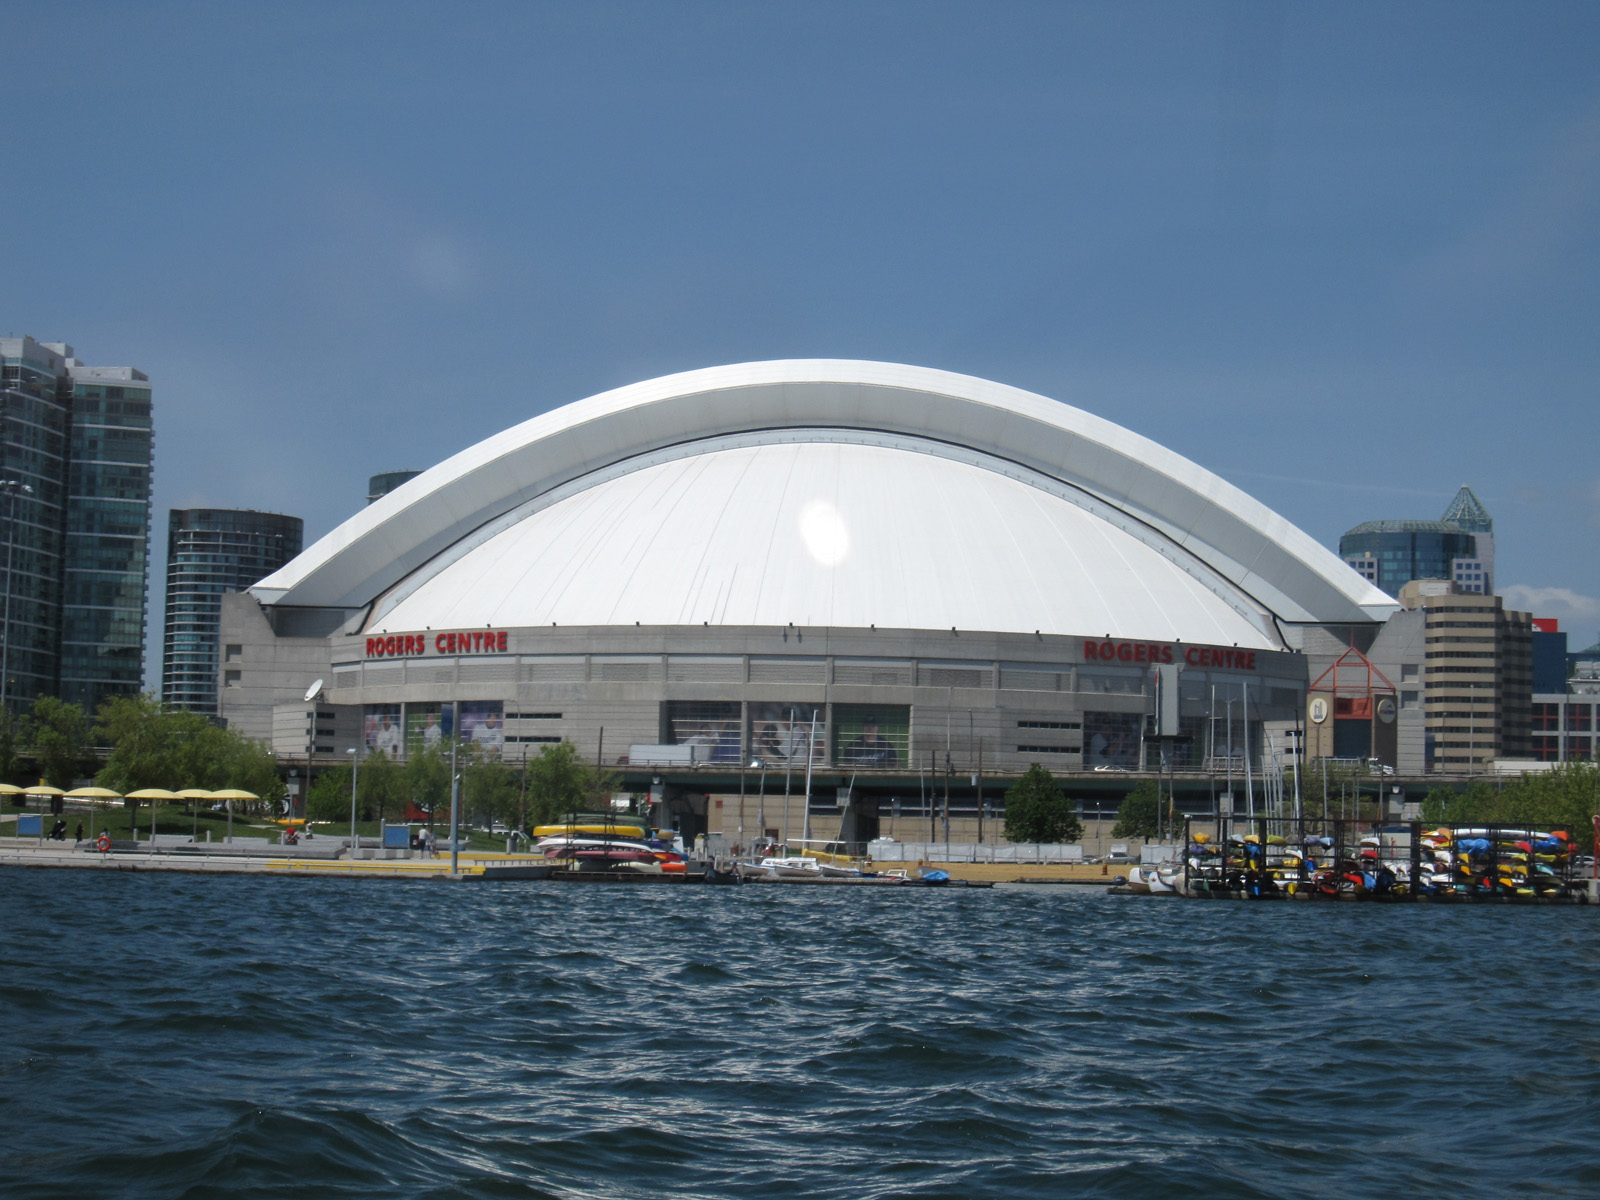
825 533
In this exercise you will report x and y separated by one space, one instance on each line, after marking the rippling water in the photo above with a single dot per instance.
174 1035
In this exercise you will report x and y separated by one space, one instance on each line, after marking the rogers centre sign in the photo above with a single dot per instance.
461 641
1165 652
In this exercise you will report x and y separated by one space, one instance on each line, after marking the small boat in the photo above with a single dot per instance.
793 867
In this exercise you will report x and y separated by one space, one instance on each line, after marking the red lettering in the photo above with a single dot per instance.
477 640
1250 661
450 643
369 647
1125 652
1141 653
1166 654
1091 650
500 640
438 643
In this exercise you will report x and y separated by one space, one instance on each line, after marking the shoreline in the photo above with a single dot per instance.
17 852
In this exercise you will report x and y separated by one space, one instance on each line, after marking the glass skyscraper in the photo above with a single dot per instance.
1458 547
75 461
211 551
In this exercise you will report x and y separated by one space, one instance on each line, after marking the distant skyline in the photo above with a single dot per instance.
1344 255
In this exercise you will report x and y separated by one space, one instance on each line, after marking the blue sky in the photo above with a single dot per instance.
1342 254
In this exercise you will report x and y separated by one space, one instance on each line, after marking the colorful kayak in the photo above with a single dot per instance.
628 831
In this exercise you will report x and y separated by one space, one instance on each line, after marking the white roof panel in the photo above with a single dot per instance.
1127 478
823 535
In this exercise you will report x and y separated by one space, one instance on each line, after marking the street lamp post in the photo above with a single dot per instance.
761 797
11 486
455 790
355 773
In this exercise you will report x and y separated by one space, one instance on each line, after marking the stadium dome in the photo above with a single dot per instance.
827 493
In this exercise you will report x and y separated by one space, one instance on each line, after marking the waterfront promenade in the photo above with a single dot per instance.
29 852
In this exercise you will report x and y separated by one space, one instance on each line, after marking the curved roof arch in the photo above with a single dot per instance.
1162 499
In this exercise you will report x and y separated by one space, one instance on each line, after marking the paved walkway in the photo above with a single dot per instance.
27 852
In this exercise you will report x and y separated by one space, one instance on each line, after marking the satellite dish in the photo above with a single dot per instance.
313 690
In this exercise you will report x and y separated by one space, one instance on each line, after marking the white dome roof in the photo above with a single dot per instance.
821 534
964 502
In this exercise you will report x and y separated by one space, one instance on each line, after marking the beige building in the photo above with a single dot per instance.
1479 676
1450 687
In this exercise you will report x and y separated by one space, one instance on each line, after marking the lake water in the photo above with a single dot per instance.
170 1035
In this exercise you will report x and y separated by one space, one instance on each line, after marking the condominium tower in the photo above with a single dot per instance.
212 551
75 460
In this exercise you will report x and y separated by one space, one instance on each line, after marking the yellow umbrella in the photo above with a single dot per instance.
43 789
230 795
94 793
154 794
190 794
10 789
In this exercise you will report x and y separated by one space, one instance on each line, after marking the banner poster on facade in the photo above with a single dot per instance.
427 725
871 735
380 729
710 726
779 733
1111 739
483 724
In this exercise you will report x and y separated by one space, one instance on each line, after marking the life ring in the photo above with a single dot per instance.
103 843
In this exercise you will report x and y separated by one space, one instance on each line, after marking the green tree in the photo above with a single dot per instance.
490 792
329 798
153 745
381 789
1567 797
59 734
427 779
1038 811
559 782
1140 814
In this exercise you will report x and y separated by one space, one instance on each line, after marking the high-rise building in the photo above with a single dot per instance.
379 486
75 462
212 551
1446 686
1459 547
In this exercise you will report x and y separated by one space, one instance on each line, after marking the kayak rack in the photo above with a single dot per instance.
1270 858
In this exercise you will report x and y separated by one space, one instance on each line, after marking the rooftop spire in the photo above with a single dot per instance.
1468 512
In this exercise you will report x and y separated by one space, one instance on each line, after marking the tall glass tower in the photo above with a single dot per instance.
1458 547
75 460
211 551
106 553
